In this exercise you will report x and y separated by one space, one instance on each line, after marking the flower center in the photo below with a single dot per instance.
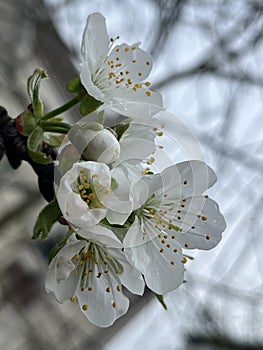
91 260
118 67
89 192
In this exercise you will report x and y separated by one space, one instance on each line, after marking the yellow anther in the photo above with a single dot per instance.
126 49
73 299
85 307
148 93
159 133
91 196
80 187
184 260
147 83
134 48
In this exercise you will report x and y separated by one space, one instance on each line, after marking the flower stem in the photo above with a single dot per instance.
63 108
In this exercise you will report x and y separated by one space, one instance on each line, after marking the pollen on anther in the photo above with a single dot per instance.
184 260
85 307
148 93
73 299
126 49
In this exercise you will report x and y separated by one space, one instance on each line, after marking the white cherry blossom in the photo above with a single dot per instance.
89 192
91 271
116 74
172 214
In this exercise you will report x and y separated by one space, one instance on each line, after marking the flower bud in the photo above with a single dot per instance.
95 143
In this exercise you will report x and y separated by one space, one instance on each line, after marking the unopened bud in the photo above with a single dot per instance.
95 143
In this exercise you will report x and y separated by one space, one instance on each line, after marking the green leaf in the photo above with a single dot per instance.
48 216
89 104
52 140
75 85
33 87
161 300
34 147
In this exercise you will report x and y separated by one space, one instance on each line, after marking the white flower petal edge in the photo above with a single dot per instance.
114 75
174 216
96 270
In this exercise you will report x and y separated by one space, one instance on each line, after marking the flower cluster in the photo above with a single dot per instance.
129 223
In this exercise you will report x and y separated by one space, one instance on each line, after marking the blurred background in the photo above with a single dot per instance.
208 66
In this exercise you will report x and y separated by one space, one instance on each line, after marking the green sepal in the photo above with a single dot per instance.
29 122
33 88
56 127
52 140
160 298
121 130
34 147
75 85
58 246
48 216
89 104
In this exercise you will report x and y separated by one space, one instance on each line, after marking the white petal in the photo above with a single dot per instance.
206 227
101 235
137 143
136 104
65 289
160 263
136 64
116 218
119 199
105 302
95 41
130 277
87 81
